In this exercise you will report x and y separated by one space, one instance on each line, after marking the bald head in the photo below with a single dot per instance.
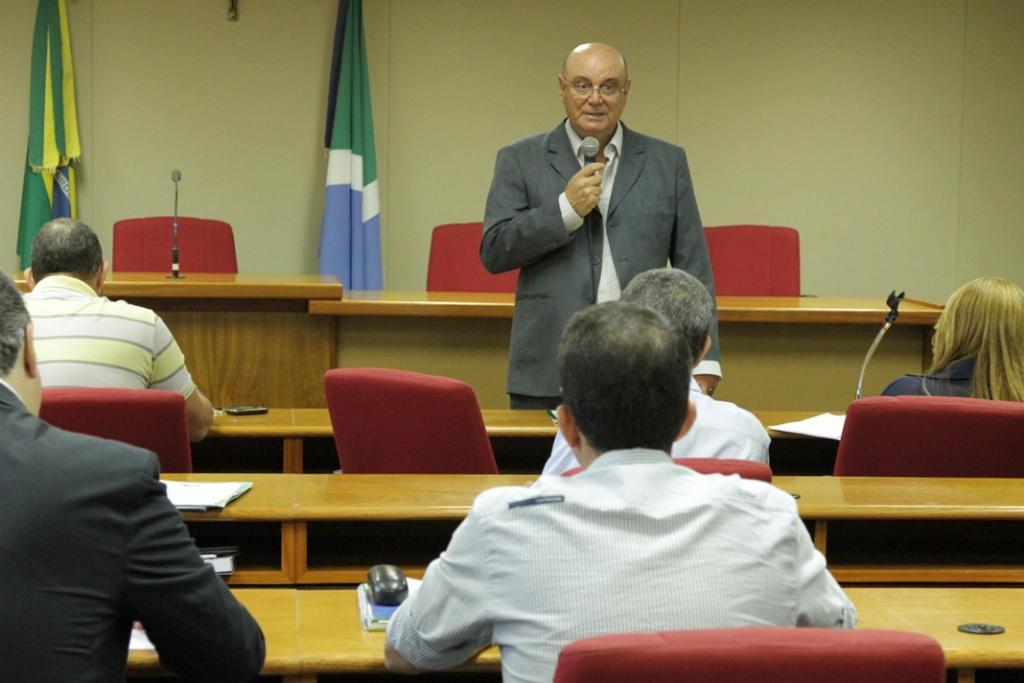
599 50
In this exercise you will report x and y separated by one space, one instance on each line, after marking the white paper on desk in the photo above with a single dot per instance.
192 495
139 640
824 426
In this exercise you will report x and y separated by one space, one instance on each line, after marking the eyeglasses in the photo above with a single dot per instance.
584 88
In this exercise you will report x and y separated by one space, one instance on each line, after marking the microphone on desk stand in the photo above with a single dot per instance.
590 147
893 301
175 266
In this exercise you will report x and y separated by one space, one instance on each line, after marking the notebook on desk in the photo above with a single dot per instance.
202 496
375 617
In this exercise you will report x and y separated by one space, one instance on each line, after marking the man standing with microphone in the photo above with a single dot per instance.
581 210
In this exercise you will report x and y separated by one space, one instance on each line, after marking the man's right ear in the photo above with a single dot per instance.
29 353
567 425
102 276
29 280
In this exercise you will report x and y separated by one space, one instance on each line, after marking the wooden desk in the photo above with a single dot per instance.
268 339
312 632
907 530
316 529
793 353
289 435
938 611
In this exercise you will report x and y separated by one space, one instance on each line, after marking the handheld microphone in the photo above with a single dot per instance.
175 266
590 148
893 302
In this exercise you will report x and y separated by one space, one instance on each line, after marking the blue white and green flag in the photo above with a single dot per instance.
350 236
48 190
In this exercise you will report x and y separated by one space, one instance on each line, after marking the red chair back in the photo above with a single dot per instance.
793 655
754 260
399 422
931 436
455 265
748 469
147 418
144 245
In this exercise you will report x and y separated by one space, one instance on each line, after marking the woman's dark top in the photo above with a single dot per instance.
954 380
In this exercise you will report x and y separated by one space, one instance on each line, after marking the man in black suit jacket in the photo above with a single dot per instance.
89 543
579 235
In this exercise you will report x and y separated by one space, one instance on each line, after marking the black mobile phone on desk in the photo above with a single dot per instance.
246 410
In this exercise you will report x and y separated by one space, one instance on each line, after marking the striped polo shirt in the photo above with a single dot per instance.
86 340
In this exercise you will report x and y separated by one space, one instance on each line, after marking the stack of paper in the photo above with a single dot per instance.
191 495
824 426
221 558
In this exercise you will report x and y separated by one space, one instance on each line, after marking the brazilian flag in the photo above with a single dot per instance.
53 145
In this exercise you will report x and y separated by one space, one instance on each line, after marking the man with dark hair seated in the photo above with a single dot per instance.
89 543
633 543
87 340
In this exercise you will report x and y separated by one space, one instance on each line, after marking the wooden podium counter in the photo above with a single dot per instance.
268 339
778 353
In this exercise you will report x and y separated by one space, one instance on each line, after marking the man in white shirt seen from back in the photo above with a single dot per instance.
721 429
632 543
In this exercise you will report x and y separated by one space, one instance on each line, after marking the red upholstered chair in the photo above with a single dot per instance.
398 422
455 266
748 469
146 418
144 245
932 436
754 260
766 655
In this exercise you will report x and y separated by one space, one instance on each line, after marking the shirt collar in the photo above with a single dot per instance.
613 148
631 456
55 282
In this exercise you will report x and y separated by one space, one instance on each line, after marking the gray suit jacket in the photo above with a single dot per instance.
89 542
652 220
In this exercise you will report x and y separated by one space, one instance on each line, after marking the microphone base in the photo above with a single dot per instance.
174 276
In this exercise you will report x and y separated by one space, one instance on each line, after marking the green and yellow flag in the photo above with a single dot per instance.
49 187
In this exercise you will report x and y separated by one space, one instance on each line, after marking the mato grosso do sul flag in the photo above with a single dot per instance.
49 187
350 236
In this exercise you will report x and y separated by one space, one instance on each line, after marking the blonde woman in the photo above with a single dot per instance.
978 347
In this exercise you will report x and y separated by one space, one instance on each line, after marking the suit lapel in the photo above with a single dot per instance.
630 165
560 153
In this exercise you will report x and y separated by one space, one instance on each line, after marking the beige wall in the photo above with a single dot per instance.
888 133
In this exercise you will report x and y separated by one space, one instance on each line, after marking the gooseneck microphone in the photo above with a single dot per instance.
590 148
893 301
175 266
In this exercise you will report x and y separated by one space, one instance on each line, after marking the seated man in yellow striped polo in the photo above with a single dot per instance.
84 339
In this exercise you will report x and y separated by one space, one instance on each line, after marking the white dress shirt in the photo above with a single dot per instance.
720 430
634 543
608 288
